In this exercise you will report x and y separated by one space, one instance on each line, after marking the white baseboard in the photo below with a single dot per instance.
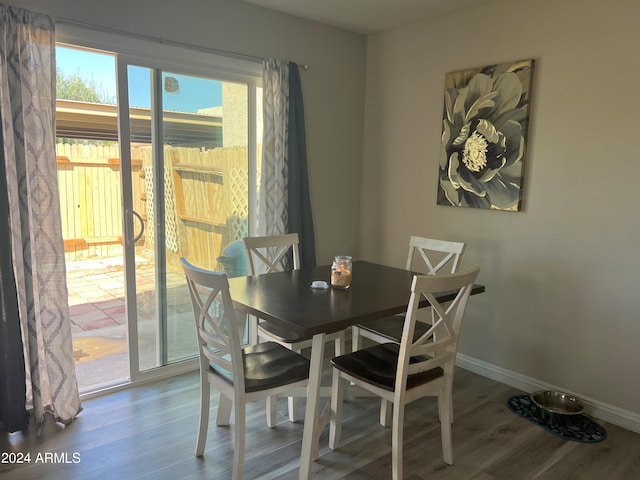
595 408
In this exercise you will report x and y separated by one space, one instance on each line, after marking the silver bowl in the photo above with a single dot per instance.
556 407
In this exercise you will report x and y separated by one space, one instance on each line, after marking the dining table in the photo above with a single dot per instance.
288 300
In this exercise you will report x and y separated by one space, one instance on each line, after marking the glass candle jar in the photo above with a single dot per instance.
341 272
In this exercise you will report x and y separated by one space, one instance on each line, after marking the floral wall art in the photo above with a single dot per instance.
484 136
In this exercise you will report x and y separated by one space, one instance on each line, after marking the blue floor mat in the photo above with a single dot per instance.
577 428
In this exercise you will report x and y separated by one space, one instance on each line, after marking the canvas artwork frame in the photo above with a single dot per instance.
484 136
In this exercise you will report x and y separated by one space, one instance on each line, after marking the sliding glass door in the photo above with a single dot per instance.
157 160
185 150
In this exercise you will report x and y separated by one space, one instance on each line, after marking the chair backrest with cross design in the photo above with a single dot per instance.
271 253
438 255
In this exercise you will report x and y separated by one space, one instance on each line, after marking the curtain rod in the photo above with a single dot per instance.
164 41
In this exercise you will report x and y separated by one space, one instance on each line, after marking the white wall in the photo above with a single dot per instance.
333 87
562 305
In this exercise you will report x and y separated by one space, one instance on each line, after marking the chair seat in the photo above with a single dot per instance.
377 365
280 334
391 328
268 365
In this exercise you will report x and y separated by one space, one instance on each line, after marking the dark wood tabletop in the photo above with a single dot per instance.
287 299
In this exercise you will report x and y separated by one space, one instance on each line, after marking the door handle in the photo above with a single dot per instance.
139 235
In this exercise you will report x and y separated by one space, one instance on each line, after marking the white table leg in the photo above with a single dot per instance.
310 436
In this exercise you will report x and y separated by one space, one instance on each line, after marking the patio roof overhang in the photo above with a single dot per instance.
93 121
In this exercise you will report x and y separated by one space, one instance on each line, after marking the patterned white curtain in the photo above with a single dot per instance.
27 108
274 173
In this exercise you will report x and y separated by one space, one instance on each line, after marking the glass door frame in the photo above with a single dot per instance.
137 49
129 229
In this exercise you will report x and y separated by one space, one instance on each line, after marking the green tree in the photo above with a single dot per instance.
79 88
76 87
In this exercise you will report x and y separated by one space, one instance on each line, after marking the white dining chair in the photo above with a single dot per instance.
240 374
437 256
414 368
266 254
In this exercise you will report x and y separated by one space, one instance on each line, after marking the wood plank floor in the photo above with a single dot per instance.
148 432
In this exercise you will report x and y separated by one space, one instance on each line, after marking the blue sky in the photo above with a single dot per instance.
193 92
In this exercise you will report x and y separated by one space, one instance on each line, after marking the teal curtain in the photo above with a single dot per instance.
13 412
299 202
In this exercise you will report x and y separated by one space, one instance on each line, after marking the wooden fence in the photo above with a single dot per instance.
206 203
